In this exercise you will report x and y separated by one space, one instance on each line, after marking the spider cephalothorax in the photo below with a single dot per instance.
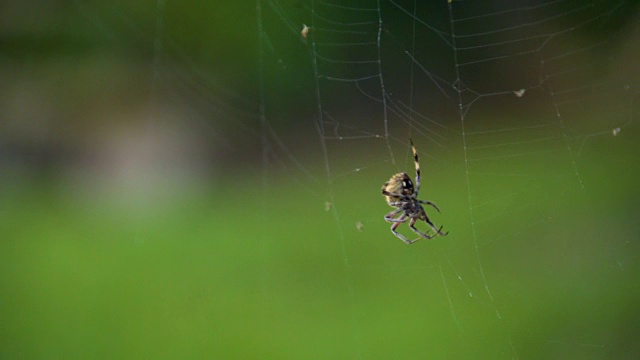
400 193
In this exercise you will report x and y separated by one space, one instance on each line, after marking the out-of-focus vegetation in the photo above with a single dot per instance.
235 272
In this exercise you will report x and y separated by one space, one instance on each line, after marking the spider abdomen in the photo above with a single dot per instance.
399 183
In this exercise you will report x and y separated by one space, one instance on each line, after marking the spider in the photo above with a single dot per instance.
400 193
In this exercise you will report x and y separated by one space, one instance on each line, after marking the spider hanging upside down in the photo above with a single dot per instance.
399 193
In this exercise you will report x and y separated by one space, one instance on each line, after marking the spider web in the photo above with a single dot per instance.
504 101
524 114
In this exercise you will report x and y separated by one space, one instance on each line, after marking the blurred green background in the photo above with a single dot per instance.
165 194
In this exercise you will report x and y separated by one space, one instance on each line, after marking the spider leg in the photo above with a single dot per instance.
412 224
386 193
390 216
417 164
426 219
429 203
401 219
